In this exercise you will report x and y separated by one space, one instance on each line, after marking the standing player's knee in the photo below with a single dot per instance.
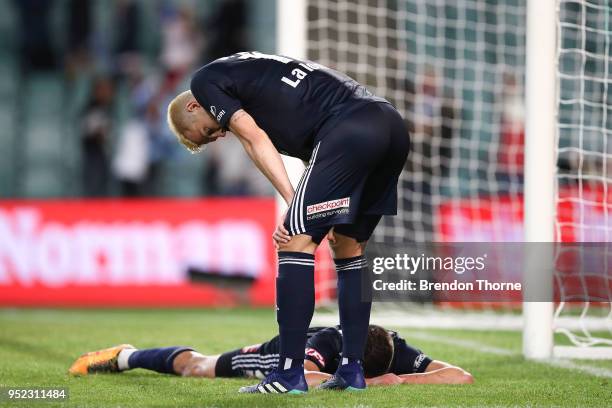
345 247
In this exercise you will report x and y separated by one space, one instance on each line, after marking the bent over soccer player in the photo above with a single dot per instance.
356 145
388 360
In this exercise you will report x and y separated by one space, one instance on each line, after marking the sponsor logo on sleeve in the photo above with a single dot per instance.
418 361
220 115
213 112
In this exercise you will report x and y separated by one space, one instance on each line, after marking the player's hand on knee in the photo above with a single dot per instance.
281 235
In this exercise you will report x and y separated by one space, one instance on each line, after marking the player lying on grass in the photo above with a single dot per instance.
356 145
388 360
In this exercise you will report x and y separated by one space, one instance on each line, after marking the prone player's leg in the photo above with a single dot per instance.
99 361
193 364
127 357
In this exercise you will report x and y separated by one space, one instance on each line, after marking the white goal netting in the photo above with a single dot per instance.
456 70
584 131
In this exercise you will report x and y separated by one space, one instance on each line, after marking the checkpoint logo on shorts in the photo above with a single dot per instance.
327 208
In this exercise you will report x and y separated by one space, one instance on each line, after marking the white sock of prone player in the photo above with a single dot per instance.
123 358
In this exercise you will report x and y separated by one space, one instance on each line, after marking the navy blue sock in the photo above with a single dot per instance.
294 305
156 359
354 313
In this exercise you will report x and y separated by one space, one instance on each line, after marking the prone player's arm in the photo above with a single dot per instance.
385 379
439 372
313 375
260 149
315 378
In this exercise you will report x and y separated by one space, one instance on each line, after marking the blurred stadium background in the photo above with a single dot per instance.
77 76
100 207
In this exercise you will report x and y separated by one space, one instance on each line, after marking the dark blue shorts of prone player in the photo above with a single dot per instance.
351 179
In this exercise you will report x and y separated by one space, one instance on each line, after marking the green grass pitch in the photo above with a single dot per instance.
37 346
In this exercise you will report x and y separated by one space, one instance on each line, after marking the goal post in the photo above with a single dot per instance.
291 40
540 146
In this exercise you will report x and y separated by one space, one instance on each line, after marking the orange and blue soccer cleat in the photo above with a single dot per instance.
101 361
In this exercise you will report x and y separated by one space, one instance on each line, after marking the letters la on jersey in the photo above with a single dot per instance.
296 75
288 98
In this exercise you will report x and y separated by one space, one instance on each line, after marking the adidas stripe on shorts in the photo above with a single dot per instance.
351 178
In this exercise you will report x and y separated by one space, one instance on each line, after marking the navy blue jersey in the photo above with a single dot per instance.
289 99
324 347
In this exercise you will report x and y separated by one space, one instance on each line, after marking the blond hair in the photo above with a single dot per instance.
178 117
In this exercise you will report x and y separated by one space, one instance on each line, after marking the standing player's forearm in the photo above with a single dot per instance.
260 149
269 162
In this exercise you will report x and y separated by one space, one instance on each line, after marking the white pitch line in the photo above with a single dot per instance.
483 348
570 365
467 344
